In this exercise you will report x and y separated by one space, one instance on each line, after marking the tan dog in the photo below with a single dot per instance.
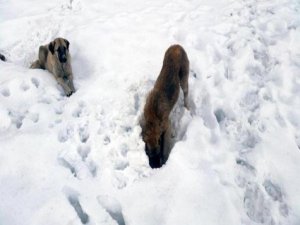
55 57
160 102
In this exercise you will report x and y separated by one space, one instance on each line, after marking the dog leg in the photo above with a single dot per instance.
167 144
184 78
36 65
43 53
40 63
65 86
71 85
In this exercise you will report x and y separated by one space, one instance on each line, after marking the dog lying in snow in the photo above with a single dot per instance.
160 102
55 57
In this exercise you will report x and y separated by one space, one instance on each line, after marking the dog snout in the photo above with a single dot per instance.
151 152
155 161
65 78
63 58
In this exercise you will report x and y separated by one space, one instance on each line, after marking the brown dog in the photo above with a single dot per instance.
55 57
160 102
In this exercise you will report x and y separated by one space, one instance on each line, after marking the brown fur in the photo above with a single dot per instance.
160 102
49 59
2 57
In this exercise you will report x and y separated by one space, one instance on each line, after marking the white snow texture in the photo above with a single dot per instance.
81 160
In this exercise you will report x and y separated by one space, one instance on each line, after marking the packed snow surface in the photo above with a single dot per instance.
81 160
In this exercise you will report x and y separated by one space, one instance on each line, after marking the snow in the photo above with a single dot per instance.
81 160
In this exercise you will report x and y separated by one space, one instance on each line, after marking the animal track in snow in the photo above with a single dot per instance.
35 82
73 199
65 134
79 167
63 162
5 92
256 206
249 139
24 86
246 165
273 190
83 151
121 164
58 110
106 140
80 110
220 115
113 207
250 100
83 132
17 118
34 117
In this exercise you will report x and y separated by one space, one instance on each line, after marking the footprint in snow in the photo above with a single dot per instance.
81 110
113 207
73 198
256 205
84 151
35 82
83 132
24 86
65 134
5 92
275 192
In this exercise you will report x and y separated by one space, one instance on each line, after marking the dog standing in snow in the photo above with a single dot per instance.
160 102
55 57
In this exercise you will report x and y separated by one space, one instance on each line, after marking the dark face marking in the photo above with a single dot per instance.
62 53
67 43
51 47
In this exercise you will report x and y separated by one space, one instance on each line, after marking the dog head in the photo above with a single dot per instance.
151 136
60 48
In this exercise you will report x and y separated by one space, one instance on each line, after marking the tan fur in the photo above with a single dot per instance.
160 102
49 60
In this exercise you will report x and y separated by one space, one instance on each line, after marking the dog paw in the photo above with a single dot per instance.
69 93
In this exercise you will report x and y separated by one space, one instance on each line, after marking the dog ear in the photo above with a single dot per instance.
67 43
51 47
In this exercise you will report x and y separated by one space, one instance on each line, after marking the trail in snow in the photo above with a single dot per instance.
81 160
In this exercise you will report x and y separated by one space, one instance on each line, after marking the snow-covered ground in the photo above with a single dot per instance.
81 160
